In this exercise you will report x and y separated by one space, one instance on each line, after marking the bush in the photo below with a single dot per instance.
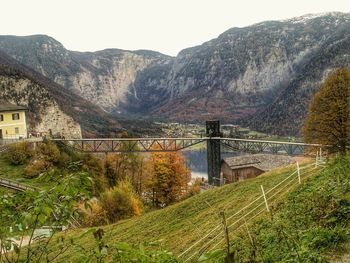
20 153
64 160
94 214
35 168
121 202
50 152
195 188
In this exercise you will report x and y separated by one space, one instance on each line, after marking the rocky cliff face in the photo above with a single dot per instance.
289 109
245 72
52 106
105 77
45 114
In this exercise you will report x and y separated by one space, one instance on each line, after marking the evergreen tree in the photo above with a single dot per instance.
328 120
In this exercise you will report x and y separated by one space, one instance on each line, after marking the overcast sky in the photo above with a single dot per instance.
161 25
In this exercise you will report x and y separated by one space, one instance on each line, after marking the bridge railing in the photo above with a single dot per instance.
11 141
4 142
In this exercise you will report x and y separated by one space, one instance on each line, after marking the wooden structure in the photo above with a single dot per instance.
245 167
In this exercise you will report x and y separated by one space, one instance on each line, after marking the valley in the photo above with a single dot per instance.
261 76
233 150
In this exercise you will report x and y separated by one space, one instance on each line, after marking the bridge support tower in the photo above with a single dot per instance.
213 152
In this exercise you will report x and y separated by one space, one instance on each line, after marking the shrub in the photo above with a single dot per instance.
64 160
94 214
195 187
121 202
35 168
49 152
19 153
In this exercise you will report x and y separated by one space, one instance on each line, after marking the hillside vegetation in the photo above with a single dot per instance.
307 222
180 226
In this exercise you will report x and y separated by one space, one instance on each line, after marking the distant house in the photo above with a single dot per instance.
240 168
230 130
12 121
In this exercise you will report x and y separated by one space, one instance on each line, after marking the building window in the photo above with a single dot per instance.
15 116
1 117
17 130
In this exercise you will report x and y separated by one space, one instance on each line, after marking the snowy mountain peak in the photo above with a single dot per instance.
305 18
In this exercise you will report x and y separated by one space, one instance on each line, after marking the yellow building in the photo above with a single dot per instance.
12 121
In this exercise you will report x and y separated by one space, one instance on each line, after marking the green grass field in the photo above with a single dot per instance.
306 221
179 226
15 173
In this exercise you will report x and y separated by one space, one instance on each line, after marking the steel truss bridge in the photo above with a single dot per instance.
213 139
130 145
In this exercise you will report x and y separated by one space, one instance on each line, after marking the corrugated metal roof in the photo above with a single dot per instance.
264 162
7 106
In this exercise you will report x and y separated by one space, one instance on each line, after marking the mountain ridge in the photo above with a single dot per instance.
234 77
48 101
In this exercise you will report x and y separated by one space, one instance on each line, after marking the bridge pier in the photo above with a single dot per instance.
213 152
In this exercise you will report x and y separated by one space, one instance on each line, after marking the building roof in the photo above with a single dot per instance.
264 162
7 106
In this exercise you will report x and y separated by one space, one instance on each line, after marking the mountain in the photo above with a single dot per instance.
289 109
106 78
241 73
261 75
52 107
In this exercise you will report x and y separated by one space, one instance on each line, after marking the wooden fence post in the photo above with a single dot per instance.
227 239
263 192
298 173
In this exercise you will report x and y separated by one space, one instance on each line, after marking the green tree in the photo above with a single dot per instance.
328 120
24 212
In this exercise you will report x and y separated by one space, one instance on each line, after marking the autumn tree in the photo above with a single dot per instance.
170 178
121 201
125 166
328 120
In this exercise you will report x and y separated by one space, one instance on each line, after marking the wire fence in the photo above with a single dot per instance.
216 236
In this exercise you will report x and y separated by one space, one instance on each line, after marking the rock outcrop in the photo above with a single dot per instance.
45 115
51 106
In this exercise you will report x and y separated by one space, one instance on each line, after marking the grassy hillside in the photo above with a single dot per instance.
179 226
307 222
15 173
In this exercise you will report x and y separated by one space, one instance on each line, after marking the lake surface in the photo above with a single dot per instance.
197 161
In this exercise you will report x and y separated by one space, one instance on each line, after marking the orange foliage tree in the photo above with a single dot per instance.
328 120
169 178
